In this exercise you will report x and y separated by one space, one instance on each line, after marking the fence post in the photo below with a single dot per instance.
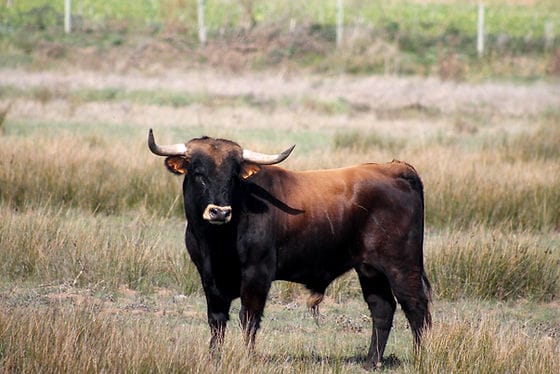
339 22
67 17
201 24
480 31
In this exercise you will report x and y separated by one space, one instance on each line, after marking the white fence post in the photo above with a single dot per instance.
67 17
480 31
201 24
339 22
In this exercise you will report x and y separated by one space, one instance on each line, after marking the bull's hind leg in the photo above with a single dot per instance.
377 294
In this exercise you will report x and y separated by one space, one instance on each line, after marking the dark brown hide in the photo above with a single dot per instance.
308 227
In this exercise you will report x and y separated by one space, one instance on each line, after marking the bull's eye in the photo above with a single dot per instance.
199 179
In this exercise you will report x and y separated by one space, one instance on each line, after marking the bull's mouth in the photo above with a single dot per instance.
217 215
218 221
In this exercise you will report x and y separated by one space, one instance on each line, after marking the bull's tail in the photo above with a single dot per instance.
313 302
427 289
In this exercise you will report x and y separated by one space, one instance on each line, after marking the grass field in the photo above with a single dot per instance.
94 276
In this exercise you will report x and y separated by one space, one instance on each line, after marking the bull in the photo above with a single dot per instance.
250 222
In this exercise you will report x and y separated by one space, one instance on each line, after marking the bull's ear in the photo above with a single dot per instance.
249 169
176 164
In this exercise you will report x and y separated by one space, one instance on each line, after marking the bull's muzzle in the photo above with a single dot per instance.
217 215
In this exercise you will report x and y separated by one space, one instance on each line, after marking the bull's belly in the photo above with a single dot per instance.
315 267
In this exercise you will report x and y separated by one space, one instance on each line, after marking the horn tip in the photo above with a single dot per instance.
289 151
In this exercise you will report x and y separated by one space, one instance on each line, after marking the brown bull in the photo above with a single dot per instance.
250 223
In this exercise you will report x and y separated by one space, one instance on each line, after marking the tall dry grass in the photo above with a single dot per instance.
91 173
493 265
491 187
42 246
88 339
485 346
85 341
92 209
91 338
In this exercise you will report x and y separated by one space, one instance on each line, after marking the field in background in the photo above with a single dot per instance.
522 38
94 276
91 233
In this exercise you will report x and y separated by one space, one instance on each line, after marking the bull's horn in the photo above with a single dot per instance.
264 159
165 150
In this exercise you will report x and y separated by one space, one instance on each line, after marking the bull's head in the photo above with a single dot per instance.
212 168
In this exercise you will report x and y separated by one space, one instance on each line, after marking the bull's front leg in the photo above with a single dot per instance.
218 315
255 286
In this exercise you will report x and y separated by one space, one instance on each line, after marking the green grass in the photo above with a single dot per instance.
172 99
418 38
433 19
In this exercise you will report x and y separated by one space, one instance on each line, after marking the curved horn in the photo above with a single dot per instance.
165 150
264 159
